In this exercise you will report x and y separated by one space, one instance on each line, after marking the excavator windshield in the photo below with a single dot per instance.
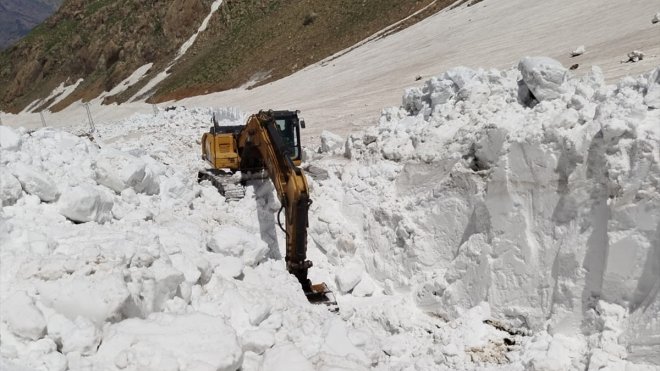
288 128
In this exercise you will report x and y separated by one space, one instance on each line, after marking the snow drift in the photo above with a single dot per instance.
496 220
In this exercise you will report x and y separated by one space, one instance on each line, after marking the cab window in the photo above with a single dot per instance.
288 132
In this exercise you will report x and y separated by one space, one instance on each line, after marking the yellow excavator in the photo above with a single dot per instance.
269 143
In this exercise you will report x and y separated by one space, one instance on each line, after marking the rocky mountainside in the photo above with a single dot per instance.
18 17
104 41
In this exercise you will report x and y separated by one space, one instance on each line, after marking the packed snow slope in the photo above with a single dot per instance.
347 92
495 220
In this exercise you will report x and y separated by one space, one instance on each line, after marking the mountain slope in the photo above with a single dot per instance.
103 42
18 17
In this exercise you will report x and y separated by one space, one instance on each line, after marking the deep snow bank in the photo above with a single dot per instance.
527 189
113 257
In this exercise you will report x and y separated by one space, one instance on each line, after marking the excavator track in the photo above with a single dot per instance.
229 185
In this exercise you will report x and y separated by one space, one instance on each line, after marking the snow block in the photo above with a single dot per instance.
652 97
9 139
173 190
257 341
285 357
348 277
10 188
119 170
86 203
79 336
99 297
193 341
330 141
36 182
460 76
234 241
543 76
365 287
23 317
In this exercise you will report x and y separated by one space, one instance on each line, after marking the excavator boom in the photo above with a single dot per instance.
270 141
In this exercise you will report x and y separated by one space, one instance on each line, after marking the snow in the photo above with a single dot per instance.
497 219
652 97
119 170
23 318
470 228
36 182
544 77
57 95
155 343
80 336
9 138
65 92
86 203
233 241
129 81
348 277
285 357
330 141
10 188
150 85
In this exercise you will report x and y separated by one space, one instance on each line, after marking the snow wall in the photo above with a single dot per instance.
527 189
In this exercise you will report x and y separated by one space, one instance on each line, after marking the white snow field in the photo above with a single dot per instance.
496 220
347 91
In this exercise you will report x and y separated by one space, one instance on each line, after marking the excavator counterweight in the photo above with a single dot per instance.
268 145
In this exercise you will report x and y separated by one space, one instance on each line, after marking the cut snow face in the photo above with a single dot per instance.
549 214
471 228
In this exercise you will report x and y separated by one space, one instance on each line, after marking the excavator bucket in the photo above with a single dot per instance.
321 294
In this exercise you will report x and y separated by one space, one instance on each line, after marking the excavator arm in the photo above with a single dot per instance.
260 137
260 145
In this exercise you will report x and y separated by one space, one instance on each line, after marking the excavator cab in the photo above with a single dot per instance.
288 125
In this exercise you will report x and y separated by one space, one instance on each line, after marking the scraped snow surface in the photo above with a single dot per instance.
497 219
